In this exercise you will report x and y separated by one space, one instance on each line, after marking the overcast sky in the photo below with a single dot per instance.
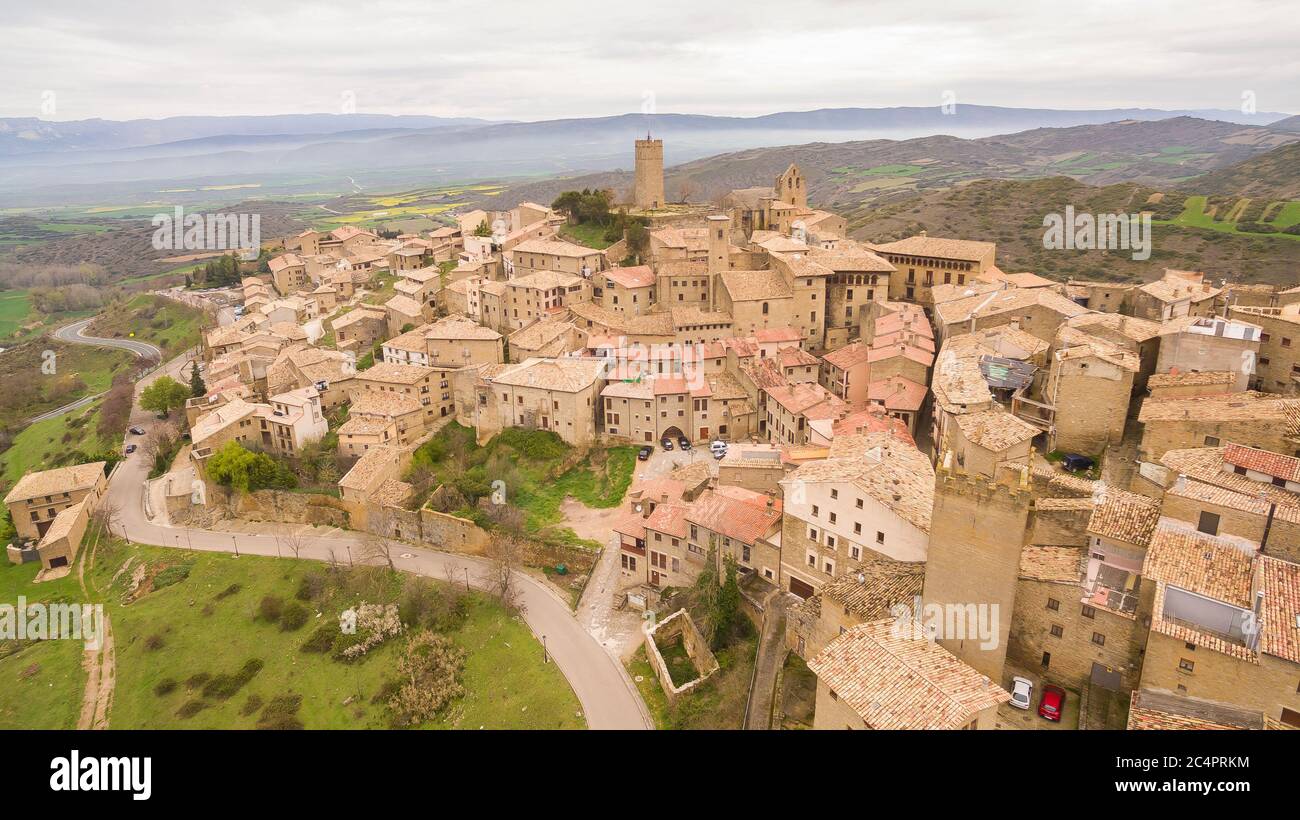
541 59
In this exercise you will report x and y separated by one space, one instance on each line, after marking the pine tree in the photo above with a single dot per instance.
197 387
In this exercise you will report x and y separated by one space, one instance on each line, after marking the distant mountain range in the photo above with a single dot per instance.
65 161
851 175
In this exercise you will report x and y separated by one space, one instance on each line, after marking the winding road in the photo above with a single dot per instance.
75 333
608 697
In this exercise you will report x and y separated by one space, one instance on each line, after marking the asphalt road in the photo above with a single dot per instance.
608 697
76 334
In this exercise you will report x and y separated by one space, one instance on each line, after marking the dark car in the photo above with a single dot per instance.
683 442
667 443
1076 463
130 448
139 431
644 453
1052 703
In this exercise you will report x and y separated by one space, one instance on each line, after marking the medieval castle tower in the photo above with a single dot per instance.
976 533
648 184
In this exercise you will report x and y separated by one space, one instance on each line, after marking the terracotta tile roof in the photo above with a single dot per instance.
1167 712
1262 461
797 357
59 480
1214 566
640 276
744 518
395 373
459 327
1124 516
869 593
898 393
569 375
1191 378
903 681
753 285
891 471
1267 408
848 356
554 247
940 248
669 519
995 430
1280 627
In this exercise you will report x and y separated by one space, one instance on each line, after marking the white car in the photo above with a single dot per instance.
718 445
1022 692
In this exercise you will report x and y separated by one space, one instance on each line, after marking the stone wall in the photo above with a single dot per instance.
679 624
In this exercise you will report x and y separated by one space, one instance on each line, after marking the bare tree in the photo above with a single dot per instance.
378 549
108 516
294 541
505 554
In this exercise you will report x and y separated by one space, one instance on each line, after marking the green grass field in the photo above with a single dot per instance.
1195 215
40 682
590 235
41 446
15 305
195 625
171 326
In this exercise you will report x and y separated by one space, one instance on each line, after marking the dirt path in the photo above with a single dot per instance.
100 664
619 631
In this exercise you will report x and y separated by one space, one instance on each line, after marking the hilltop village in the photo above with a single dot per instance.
950 489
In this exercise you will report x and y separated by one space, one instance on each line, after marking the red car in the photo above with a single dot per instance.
1052 703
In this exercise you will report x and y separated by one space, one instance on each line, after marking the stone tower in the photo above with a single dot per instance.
648 185
719 243
976 533
791 188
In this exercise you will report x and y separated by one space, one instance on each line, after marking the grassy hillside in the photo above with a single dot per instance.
1272 176
170 325
1010 212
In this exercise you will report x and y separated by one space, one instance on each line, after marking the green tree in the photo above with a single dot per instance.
197 387
483 229
164 395
248 471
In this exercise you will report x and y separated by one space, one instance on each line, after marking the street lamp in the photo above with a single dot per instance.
235 540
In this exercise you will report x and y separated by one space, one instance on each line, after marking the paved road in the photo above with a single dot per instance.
607 695
76 334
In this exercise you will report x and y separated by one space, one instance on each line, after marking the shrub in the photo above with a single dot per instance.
223 687
281 713
191 708
154 642
251 705
293 617
311 586
197 679
228 591
173 574
164 687
270 609
322 640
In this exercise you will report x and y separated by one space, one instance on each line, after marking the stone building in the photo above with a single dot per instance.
648 176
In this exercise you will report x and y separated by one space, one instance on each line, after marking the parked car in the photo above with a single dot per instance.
683 442
130 448
644 453
1076 463
667 443
139 431
1053 702
719 455
718 444
1022 692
